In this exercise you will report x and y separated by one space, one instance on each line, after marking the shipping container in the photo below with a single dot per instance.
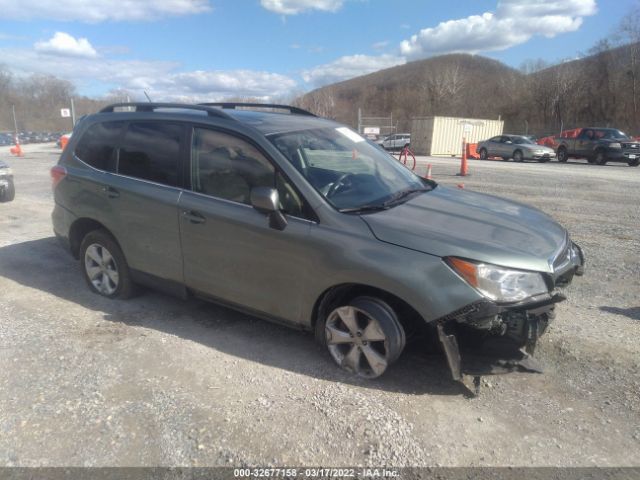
442 136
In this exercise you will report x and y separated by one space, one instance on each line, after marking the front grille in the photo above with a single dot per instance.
631 146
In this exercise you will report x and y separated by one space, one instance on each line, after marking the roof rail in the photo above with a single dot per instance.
151 107
236 105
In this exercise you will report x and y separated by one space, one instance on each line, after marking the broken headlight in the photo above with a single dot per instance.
498 283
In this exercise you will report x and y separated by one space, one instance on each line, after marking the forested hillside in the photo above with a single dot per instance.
600 89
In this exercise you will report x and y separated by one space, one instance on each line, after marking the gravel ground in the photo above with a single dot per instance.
157 381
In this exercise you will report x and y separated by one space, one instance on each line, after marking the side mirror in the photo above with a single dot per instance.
267 201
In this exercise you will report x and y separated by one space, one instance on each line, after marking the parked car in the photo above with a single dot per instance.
518 147
600 146
300 220
396 141
7 188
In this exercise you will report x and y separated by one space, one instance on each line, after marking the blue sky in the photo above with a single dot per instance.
210 49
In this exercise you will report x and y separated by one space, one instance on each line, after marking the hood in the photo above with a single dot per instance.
537 147
454 222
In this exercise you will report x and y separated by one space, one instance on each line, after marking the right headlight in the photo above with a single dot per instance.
498 283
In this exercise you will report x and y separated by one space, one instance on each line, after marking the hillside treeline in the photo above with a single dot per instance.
599 90
38 100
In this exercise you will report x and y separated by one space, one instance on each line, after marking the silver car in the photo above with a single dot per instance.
396 142
518 147
300 220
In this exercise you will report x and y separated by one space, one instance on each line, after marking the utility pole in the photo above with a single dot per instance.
15 122
73 113
359 120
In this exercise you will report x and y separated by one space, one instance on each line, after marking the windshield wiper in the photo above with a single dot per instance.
401 195
376 207
394 200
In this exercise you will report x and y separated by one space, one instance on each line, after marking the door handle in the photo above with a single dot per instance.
193 217
111 192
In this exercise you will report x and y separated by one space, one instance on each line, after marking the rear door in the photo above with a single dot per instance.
143 194
229 251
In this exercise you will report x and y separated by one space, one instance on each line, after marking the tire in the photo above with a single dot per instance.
562 155
484 155
600 158
634 163
518 157
104 267
364 337
9 194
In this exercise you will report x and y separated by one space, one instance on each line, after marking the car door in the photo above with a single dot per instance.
229 250
584 143
493 146
143 195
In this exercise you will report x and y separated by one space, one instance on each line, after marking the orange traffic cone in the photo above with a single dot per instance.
17 150
428 176
464 168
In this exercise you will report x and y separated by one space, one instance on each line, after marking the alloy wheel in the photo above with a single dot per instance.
101 269
357 342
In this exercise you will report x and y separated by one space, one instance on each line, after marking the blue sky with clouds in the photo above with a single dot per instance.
210 49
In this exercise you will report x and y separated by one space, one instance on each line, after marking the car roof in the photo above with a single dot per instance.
266 118
272 123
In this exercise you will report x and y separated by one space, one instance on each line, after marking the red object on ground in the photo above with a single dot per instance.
472 151
17 149
548 142
461 186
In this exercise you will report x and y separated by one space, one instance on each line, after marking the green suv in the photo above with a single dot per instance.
300 220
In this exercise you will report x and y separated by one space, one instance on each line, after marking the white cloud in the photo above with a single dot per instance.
99 10
64 44
349 67
162 80
294 7
514 22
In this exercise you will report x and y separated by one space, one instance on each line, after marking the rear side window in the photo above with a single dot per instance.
98 145
151 151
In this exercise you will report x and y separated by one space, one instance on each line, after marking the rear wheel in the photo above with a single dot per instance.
104 267
363 337
634 163
9 193
563 155
484 155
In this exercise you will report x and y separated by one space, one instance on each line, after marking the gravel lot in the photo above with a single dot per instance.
157 381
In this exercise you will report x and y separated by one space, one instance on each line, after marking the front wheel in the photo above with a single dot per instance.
517 156
484 155
104 267
634 163
363 336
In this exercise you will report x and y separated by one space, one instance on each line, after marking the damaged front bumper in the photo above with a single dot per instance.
487 338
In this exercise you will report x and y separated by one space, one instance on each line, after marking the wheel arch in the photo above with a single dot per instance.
408 316
80 228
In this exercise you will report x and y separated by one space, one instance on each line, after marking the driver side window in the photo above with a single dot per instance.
227 167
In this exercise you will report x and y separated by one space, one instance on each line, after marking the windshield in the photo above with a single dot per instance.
523 141
350 172
611 134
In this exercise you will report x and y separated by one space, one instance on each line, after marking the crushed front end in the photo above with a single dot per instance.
492 337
